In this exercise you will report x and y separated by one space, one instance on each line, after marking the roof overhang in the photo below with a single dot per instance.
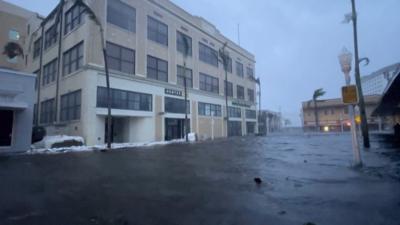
390 101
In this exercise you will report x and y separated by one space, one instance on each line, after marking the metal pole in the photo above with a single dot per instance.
212 125
356 148
186 114
364 122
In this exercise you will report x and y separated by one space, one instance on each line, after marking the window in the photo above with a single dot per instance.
209 83
71 106
47 111
37 48
332 111
230 65
235 112
180 43
239 69
174 105
230 89
250 72
125 100
157 31
73 18
50 36
120 58
73 59
250 93
206 109
37 73
346 110
13 35
326 112
240 92
157 69
234 128
208 55
251 114
180 77
121 15
35 113
49 72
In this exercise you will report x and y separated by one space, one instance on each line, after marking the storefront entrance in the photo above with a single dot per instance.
234 128
251 128
175 129
6 127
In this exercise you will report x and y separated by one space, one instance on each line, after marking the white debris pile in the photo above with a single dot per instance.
192 137
48 142
40 148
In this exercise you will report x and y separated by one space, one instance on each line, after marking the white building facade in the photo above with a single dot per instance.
377 82
144 41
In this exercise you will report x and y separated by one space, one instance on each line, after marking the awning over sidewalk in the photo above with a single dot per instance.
390 101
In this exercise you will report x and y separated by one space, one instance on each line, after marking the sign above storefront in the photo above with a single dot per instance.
241 103
173 92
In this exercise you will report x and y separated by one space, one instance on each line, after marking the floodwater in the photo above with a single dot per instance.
306 179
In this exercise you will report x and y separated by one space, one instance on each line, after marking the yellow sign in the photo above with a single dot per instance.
349 94
358 119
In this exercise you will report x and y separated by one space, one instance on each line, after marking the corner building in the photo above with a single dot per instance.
144 41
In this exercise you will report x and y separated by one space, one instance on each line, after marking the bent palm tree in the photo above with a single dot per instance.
317 93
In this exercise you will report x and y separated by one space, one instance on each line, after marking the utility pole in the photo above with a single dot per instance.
361 104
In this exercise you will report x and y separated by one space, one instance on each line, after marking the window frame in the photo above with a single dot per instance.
72 21
240 92
208 55
124 14
180 45
47 111
156 69
51 36
134 101
208 83
239 69
71 112
160 37
180 77
206 109
120 59
50 72
78 62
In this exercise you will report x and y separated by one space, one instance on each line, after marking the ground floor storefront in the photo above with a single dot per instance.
144 111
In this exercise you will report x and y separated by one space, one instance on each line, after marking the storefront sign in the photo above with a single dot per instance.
241 103
173 92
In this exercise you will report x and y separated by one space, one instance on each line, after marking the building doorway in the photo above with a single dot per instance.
251 128
6 127
234 128
119 130
175 128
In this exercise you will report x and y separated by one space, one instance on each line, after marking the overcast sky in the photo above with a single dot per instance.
296 43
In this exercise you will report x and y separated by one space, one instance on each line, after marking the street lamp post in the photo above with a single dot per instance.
361 104
345 59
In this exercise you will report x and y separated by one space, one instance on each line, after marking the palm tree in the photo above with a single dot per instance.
225 62
317 93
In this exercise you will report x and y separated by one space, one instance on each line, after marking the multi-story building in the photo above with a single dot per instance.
377 82
333 115
14 28
144 42
269 121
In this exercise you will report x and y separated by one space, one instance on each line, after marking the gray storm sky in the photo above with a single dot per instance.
295 43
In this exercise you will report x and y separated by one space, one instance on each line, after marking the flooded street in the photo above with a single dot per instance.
306 179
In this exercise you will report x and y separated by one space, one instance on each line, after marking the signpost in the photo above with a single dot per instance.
350 97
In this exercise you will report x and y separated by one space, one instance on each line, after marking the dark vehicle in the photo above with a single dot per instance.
38 134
